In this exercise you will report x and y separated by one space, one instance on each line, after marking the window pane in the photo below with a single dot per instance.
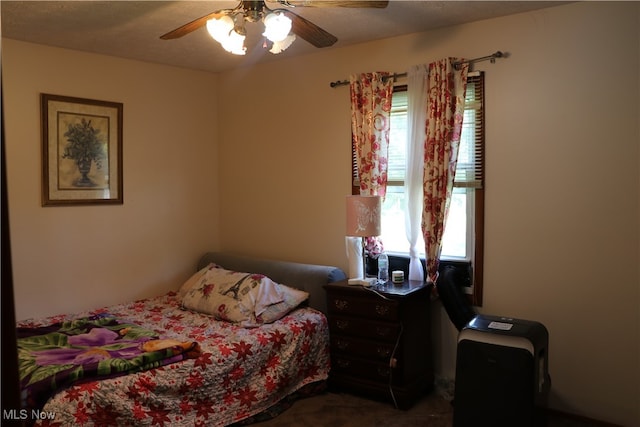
454 242
393 230
393 221
393 225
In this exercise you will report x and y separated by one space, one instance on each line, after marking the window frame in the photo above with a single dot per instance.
473 269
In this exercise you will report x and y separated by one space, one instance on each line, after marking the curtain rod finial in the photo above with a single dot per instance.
339 83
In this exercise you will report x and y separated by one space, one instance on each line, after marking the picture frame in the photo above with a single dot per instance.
81 151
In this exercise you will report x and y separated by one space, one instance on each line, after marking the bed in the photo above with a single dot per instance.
196 363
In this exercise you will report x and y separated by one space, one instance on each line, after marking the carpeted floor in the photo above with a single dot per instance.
345 410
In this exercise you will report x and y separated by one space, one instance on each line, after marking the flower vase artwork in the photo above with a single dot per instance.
84 146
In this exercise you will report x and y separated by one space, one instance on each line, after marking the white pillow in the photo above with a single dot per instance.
292 299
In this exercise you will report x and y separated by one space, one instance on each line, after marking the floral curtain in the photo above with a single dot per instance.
370 117
446 93
370 114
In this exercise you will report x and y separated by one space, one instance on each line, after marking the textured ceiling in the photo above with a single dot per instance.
131 29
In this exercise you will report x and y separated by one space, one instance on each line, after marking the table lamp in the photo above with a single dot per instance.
363 220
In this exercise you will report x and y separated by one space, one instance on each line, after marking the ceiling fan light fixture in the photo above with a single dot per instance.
277 26
220 28
281 32
282 45
234 43
230 35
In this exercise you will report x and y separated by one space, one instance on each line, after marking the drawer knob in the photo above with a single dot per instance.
341 304
342 344
342 324
383 352
382 331
383 371
382 310
343 363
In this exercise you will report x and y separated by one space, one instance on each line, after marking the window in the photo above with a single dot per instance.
463 238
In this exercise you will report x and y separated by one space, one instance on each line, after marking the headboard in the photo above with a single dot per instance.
307 277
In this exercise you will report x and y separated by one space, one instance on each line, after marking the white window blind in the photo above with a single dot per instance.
396 171
470 168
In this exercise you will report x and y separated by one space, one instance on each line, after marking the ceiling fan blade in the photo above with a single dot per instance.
336 3
310 31
192 26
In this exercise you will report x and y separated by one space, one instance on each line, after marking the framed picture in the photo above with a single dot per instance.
81 151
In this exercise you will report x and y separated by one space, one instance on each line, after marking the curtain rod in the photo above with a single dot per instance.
491 58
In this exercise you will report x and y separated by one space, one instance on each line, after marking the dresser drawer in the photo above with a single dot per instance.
374 350
373 308
366 369
364 328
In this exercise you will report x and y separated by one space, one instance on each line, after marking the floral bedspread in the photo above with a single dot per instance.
239 373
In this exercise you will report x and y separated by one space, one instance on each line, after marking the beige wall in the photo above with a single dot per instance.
562 211
562 248
72 258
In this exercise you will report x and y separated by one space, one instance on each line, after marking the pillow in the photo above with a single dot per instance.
222 294
291 299
247 299
186 286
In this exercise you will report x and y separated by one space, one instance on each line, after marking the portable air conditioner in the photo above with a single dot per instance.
502 376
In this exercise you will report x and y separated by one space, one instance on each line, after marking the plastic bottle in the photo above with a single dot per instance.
383 268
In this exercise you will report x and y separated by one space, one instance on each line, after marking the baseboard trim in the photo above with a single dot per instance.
590 421
445 388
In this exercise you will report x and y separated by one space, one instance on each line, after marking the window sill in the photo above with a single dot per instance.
464 271
401 262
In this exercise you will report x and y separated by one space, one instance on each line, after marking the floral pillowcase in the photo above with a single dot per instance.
243 298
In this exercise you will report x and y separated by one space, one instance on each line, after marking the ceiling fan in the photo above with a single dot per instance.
281 24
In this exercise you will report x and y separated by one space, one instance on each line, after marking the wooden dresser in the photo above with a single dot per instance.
381 340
